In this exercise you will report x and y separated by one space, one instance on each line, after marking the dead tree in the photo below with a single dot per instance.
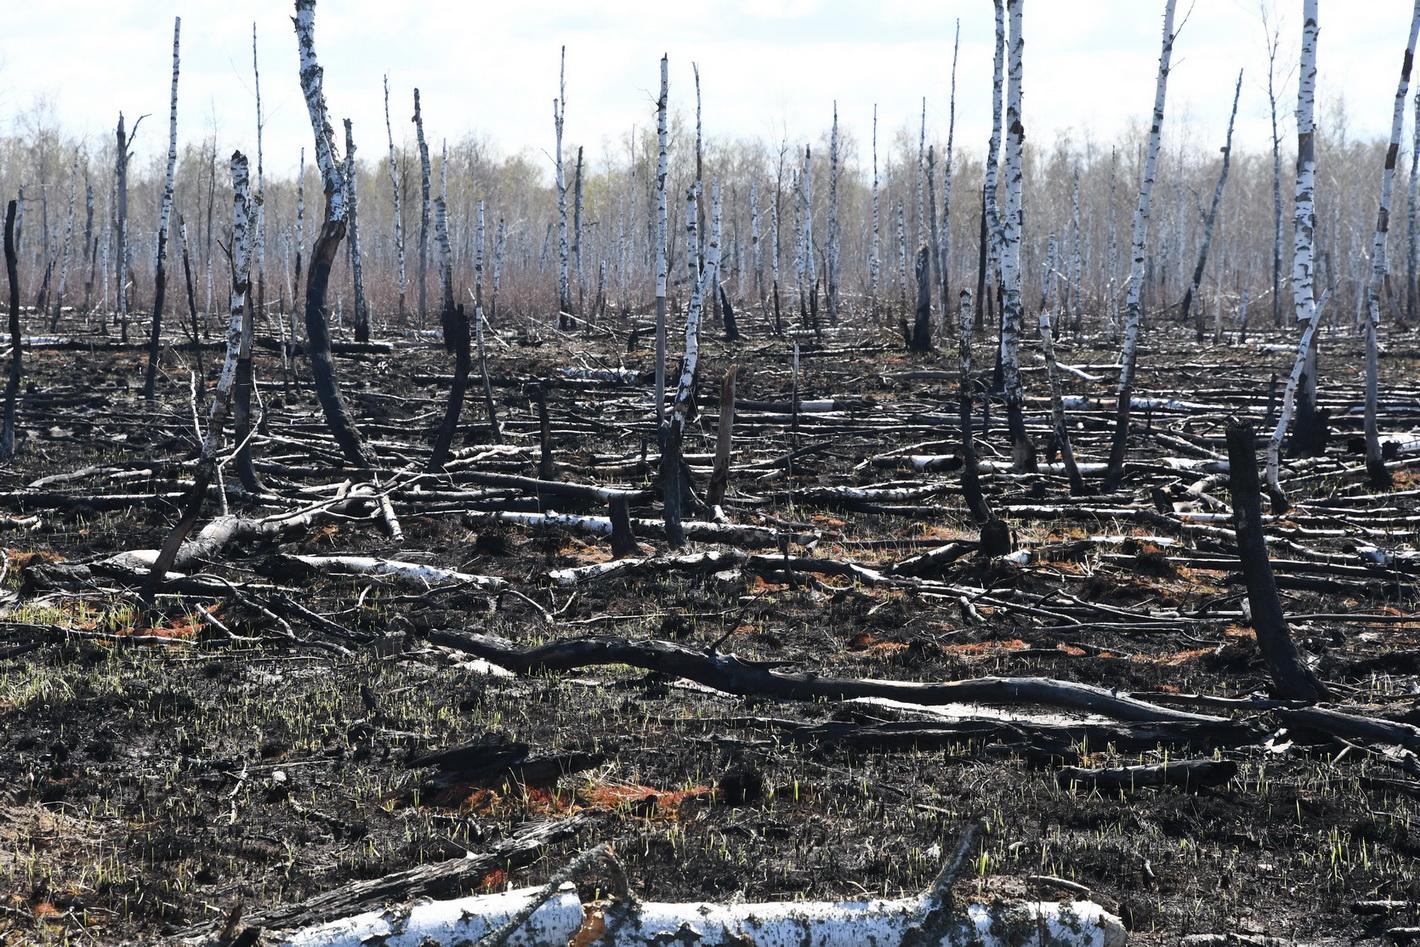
123 151
239 317
724 435
1022 451
577 234
8 433
1274 42
1412 218
945 247
970 480
1308 312
455 326
1133 309
357 271
674 474
1192 292
424 210
921 340
1057 399
564 284
260 185
332 231
1292 678
160 272
986 289
66 244
398 211
874 260
832 254
660 248
1375 465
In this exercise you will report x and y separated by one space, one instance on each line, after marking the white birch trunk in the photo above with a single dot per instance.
1011 307
564 284
993 152
352 232
875 242
1304 223
424 211
312 79
65 248
478 245
806 179
446 260
260 236
1129 349
832 274
296 306
756 252
398 211
1412 214
945 245
662 261
1380 477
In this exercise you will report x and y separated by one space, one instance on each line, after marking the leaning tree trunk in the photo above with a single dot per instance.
1303 276
1057 404
239 317
1375 465
1129 350
357 270
1192 292
352 445
12 380
1293 679
160 272
1022 452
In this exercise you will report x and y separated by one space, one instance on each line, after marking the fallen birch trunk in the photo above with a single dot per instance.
415 572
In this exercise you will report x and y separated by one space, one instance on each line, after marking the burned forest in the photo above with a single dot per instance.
933 528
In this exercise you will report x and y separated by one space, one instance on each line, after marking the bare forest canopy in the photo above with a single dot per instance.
514 182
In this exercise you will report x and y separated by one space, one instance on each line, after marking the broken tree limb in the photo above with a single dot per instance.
1187 774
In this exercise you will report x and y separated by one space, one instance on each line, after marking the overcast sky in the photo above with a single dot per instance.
768 67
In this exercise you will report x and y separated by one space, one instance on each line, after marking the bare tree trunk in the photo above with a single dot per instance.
122 152
260 186
1304 225
1412 215
944 257
1273 43
987 291
1022 451
66 244
239 315
970 481
1057 399
661 261
8 430
357 271
724 434
1129 350
160 273
874 260
455 326
1375 465
564 285
577 234
922 321
1208 221
398 211
424 210
1293 679
352 445
832 267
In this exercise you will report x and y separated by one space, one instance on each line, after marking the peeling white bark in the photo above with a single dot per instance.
395 190
312 77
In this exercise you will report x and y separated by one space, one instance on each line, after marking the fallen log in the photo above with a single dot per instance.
293 566
1187 774
734 675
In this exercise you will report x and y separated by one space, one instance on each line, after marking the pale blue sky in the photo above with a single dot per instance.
767 67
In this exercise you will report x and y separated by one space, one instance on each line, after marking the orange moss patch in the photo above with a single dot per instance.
645 800
493 881
987 647
1175 659
21 558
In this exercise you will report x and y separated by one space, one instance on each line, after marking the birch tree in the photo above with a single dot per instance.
260 236
123 151
875 238
1022 452
1272 32
1192 292
395 189
1375 465
332 231
357 268
1308 312
662 262
945 250
160 273
424 211
993 152
1129 349
1412 215
564 285
832 255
